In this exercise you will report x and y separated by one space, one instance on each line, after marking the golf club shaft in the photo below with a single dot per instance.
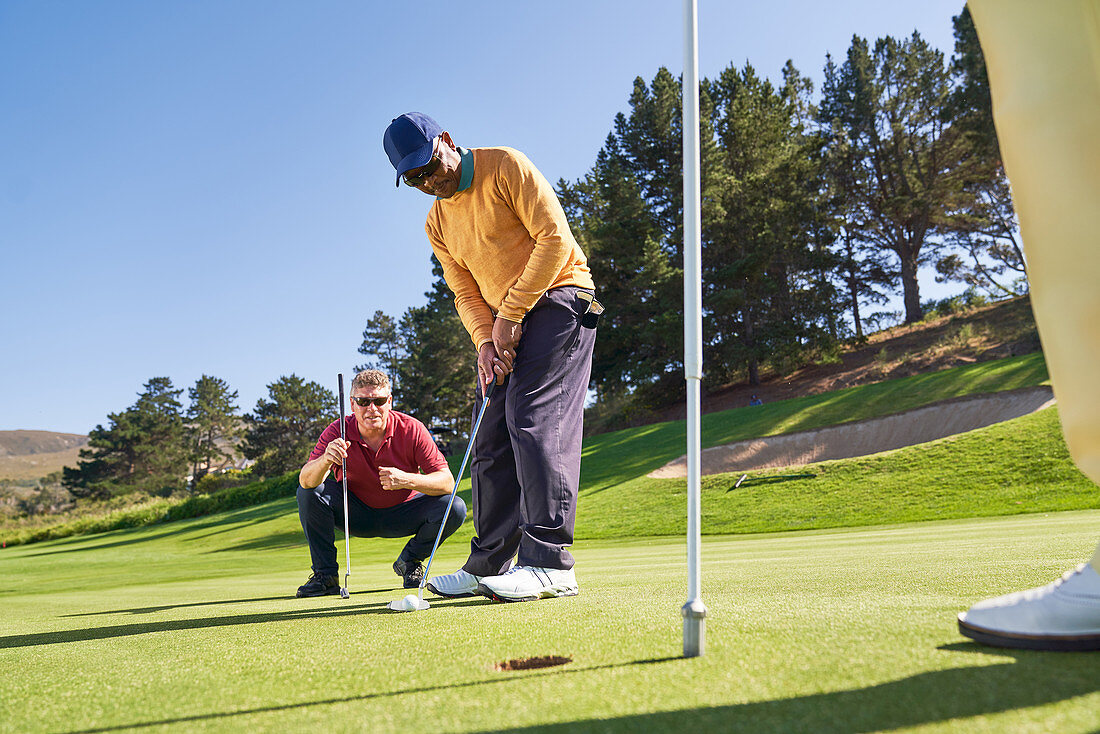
344 477
458 479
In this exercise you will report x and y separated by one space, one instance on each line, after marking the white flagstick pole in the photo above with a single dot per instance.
694 611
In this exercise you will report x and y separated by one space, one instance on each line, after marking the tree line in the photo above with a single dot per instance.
815 211
152 446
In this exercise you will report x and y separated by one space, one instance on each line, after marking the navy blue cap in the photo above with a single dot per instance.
409 141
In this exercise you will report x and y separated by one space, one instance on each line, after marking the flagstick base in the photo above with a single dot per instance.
695 628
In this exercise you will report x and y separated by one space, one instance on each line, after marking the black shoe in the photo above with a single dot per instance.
319 584
411 571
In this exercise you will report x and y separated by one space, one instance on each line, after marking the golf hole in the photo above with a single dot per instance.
542 661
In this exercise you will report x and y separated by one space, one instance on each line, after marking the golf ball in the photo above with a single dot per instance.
410 602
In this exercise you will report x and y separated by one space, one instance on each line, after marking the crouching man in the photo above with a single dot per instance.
398 485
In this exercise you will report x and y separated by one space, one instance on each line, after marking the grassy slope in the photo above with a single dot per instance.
612 458
1009 468
190 627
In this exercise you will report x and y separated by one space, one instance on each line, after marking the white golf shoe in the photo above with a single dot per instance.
527 583
455 584
1064 615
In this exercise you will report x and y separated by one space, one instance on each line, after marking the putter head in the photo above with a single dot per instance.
344 593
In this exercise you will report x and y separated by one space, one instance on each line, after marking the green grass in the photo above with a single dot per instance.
189 627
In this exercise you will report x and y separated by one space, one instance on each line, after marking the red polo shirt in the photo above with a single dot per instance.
406 446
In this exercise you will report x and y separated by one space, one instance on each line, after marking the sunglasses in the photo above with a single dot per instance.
364 402
425 173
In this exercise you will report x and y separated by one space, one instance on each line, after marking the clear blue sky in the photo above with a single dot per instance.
199 187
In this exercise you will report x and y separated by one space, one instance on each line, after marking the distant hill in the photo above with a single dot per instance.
34 454
24 443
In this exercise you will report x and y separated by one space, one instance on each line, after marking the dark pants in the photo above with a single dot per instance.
527 453
321 511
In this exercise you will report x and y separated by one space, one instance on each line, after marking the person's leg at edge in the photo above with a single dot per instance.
1042 61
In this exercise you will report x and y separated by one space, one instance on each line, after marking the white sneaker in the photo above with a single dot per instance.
527 583
1064 615
454 584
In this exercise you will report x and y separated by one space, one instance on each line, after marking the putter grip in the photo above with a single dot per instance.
340 382
490 389
343 437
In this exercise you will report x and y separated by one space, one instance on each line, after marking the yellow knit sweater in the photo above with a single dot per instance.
503 242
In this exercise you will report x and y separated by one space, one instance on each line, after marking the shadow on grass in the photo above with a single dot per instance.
89 544
129 630
1027 680
775 479
504 677
274 541
166 607
225 522
233 520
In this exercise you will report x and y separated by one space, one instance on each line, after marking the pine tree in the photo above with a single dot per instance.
864 271
143 448
213 423
381 343
627 216
437 370
641 333
763 258
893 104
281 432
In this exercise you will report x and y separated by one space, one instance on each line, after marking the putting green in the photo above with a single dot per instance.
191 626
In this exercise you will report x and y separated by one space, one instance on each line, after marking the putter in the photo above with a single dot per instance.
344 593
416 603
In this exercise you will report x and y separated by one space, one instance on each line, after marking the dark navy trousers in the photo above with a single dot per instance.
527 453
321 511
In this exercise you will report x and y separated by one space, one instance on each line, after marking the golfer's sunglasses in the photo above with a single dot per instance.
364 402
425 172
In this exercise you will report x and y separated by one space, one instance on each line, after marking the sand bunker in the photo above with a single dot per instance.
870 436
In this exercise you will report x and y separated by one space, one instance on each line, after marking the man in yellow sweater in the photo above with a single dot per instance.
525 294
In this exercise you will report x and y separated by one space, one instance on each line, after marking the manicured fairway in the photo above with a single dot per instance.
189 627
